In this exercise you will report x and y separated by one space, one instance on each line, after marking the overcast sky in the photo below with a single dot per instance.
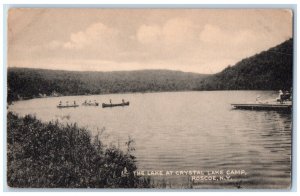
192 40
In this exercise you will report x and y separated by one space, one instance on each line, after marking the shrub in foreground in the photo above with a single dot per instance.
57 156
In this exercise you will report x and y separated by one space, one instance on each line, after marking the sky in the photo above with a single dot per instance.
190 40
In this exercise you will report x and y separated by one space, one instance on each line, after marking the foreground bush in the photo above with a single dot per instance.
56 156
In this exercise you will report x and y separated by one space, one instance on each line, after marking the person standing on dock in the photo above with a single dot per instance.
280 96
257 99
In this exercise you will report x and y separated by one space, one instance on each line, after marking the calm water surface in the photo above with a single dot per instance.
187 131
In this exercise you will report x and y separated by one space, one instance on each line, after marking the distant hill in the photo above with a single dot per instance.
268 70
26 83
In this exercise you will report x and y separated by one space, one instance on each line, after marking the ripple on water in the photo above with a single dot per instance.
188 130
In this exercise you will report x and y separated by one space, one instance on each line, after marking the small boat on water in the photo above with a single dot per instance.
104 105
67 106
90 103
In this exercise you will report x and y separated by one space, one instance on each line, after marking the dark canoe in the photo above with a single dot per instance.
104 105
264 106
67 106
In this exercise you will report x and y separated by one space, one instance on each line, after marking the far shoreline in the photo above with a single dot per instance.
122 93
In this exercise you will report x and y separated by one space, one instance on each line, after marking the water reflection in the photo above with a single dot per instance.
269 135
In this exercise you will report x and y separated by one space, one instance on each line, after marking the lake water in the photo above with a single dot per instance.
176 131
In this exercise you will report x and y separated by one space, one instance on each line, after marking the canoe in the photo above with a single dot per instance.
67 106
90 104
104 105
264 106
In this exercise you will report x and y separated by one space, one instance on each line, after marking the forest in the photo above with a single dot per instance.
268 70
26 83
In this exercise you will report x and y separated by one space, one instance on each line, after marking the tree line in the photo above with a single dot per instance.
268 70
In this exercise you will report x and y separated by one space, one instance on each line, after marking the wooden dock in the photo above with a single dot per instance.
264 106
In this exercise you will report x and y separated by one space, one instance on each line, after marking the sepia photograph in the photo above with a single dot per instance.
149 98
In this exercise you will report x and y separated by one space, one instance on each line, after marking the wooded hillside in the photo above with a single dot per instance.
268 70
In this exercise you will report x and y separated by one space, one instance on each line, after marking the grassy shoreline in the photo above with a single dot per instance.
51 155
